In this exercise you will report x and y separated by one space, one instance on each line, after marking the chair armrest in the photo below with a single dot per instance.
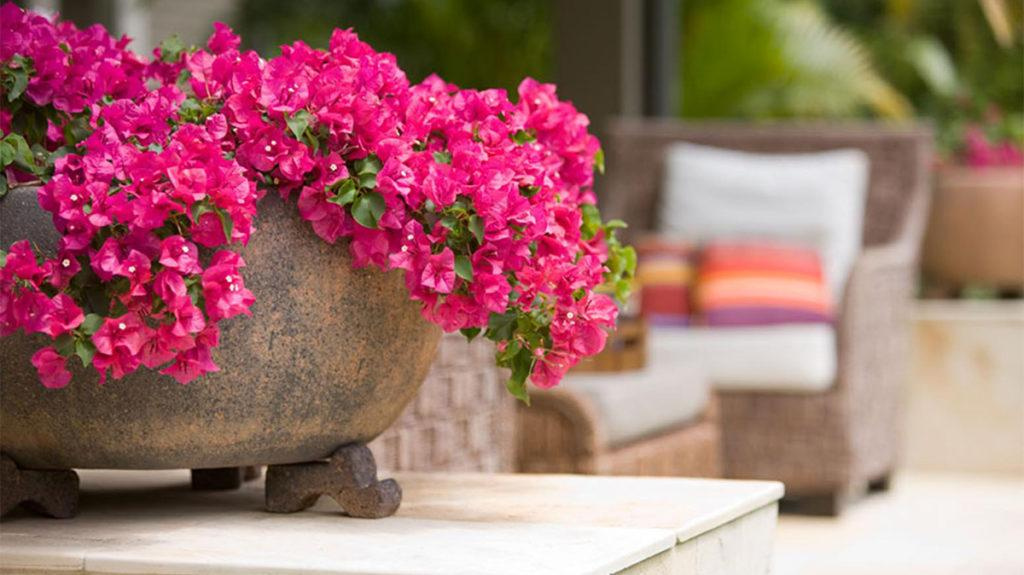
559 431
874 318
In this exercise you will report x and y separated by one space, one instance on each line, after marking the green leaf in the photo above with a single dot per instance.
85 351
476 226
529 191
368 165
170 49
226 223
629 256
368 209
200 208
3 189
77 129
368 181
591 221
22 152
6 154
449 221
599 161
622 290
470 332
464 267
346 193
65 344
91 323
501 325
298 123
20 83
616 225
524 136
522 365
195 293
517 387
443 157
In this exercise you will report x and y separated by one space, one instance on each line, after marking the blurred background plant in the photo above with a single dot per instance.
777 59
473 43
959 62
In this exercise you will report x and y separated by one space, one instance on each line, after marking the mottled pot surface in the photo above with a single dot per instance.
330 356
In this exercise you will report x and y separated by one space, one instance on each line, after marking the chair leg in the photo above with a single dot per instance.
820 505
880 484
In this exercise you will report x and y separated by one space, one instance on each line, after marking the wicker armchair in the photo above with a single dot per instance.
561 432
825 446
462 419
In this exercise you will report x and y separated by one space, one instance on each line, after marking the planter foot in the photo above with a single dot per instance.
53 493
223 478
349 477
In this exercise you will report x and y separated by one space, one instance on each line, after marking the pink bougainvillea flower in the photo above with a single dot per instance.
61 269
439 272
106 261
63 316
170 287
224 288
197 360
52 368
125 332
180 255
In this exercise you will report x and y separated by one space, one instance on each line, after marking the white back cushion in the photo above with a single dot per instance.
815 200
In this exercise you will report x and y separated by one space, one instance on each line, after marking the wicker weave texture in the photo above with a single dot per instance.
835 441
562 433
462 419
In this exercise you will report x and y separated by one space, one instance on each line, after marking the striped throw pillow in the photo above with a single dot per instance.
664 272
746 284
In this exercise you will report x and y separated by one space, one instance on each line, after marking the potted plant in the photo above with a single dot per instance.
147 204
976 233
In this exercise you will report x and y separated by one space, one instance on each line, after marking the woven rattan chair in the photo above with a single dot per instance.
831 445
462 419
561 432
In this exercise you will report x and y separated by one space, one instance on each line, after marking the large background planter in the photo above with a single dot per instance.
330 357
976 231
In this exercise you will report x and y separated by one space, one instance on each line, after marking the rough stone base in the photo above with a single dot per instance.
349 477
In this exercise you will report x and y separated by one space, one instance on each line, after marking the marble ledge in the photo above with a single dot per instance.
150 522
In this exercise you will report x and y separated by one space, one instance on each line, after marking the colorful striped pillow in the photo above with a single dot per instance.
744 284
664 273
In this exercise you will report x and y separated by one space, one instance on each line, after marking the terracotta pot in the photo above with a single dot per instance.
330 357
976 231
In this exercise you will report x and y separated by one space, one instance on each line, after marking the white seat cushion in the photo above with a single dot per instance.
667 393
814 200
783 358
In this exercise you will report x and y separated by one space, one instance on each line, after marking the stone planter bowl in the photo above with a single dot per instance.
330 357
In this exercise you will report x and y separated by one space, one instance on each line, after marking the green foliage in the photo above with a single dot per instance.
473 43
949 58
776 58
368 209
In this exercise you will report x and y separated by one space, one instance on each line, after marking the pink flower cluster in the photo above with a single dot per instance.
485 203
65 67
980 152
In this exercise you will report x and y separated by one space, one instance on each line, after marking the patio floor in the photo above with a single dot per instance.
929 524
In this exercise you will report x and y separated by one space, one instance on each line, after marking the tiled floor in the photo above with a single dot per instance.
929 524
